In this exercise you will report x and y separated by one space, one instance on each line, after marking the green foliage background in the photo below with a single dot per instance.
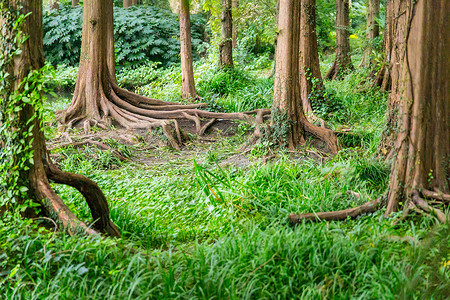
142 34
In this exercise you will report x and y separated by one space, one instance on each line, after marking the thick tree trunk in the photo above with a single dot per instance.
287 103
32 58
342 61
126 3
422 144
372 30
235 4
187 70
310 76
226 46
75 3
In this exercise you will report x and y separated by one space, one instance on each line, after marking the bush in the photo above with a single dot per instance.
142 34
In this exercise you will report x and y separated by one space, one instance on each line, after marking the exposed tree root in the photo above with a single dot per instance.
339 215
417 204
131 111
95 199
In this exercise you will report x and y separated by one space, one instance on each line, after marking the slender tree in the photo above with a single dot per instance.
226 46
134 2
309 56
342 61
372 30
75 3
126 3
187 70
421 166
41 171
287 109
98 100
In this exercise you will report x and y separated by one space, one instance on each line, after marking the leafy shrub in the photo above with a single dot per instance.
142 34
65 78
225 81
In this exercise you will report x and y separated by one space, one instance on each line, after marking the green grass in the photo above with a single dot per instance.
180 240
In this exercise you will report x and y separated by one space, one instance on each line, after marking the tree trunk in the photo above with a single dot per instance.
423 137
287 110
235 4
126 3
226 46
187 70
134 2
75 3
391 75
342 61
372 30
310 76
42 169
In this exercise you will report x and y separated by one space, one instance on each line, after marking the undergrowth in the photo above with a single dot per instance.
210 222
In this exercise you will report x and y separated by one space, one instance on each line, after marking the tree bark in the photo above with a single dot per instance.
342 61
287 100
423 137
187 69
226 46
75 3
372 30
310 76
126 3
134 2
390 76
42 169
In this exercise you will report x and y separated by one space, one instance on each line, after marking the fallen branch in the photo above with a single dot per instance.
339 215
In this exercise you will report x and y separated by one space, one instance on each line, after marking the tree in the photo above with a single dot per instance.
287 109
342 61
226 46
372 30
421 166
422 141
134 2
36 173
187 70
75 3
99 101
126 3
310 76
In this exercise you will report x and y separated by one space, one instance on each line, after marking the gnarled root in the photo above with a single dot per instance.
339 215
132 111
95 199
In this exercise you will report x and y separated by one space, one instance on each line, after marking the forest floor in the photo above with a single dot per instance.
210 221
